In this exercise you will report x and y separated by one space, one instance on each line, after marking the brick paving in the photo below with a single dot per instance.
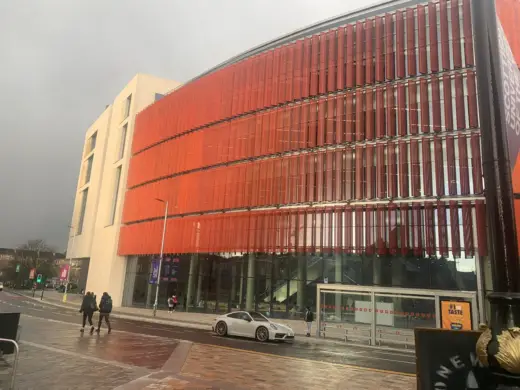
258 371
210 367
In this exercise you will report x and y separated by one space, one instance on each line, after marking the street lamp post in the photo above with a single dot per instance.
70 266
161 255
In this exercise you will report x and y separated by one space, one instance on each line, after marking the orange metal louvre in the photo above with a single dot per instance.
266 154
324 229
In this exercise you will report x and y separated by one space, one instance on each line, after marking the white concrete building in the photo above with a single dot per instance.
96 219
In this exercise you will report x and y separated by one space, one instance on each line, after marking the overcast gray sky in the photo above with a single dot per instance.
62 61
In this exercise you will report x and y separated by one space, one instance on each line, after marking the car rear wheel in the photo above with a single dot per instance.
262 334
221 328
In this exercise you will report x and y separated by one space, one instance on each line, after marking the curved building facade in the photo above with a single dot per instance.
348 152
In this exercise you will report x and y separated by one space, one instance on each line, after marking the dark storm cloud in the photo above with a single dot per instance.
61 62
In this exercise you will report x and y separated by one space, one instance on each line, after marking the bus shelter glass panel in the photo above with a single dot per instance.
397 316
346 315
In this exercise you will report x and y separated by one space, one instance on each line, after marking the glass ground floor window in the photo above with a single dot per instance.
282 285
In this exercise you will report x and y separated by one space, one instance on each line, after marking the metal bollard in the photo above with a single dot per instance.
15 364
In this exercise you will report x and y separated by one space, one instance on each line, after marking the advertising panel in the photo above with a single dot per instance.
456 315
154 275
64 272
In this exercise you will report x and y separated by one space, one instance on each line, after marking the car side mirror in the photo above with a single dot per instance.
247 319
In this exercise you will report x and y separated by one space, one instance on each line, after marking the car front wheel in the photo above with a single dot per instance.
262 334
221 328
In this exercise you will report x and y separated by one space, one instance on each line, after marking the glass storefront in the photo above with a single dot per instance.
282 285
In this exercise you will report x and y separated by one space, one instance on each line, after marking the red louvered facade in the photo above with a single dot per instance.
359 141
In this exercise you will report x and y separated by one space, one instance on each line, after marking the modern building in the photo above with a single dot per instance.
344 158
96 219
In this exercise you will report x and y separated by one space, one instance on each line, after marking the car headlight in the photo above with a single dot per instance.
273 326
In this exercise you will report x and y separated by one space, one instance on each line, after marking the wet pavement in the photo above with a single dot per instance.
48 369
250 370
55 356
142 355
126 348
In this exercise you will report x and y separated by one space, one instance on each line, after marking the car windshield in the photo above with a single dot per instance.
257 316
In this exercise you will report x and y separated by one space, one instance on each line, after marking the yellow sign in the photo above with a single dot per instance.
456 315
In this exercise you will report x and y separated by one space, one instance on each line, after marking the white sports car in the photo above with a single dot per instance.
251 324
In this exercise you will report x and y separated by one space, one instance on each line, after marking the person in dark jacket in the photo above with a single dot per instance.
88 307
105 308
309 317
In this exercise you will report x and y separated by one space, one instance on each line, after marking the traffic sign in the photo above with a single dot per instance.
39 278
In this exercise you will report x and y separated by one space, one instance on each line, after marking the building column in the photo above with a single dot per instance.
219 280
276 270
233 294
199 284
268 274
302 281
250 293
149 290
149 294
376 269
241 289
338 278
191 279
397 280
131 271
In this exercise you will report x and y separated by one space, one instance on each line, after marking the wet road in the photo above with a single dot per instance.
33 312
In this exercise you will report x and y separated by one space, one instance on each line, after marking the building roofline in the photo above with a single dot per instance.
330 23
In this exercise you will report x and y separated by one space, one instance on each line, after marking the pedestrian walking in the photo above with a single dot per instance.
309 317
88 308
105 308
170 304
175 301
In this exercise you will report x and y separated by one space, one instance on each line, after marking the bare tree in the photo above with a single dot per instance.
37 245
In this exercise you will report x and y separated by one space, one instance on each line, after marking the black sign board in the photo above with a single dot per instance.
446 360
8 330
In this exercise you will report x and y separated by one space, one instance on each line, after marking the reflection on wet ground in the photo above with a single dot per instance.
127 348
